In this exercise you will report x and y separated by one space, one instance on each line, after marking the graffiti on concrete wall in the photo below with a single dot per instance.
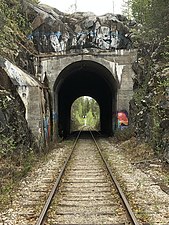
122 117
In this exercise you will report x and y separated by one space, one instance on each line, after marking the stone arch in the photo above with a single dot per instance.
80 78
55 65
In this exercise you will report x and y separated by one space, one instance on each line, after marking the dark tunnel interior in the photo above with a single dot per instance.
85 78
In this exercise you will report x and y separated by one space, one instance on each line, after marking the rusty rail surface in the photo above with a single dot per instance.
122 195
43 213
41 219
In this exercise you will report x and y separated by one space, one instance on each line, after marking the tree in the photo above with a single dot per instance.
127 9
14 26
153 15
85 109
160 17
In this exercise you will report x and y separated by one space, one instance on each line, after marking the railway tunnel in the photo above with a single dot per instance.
85 78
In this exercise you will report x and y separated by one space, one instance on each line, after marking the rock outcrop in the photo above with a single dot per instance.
14 132
50 31
149 108
54 31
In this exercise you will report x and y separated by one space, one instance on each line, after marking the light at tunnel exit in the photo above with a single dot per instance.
85 113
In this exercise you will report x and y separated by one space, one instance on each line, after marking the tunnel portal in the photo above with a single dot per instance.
85 78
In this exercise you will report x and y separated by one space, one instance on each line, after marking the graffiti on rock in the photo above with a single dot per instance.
81 30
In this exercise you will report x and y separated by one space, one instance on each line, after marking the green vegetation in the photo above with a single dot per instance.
149 113
7 145
14 26
153 15
14 165
18 151
124 135
85 112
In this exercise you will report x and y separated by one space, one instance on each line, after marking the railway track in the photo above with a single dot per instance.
86 192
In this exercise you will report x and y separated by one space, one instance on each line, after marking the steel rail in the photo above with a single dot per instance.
43 213
123 197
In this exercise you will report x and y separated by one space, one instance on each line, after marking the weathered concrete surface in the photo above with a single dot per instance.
119 64
78 54
114 71
31 93
114 68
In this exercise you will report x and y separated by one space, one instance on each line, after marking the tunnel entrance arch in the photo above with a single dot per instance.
85 78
